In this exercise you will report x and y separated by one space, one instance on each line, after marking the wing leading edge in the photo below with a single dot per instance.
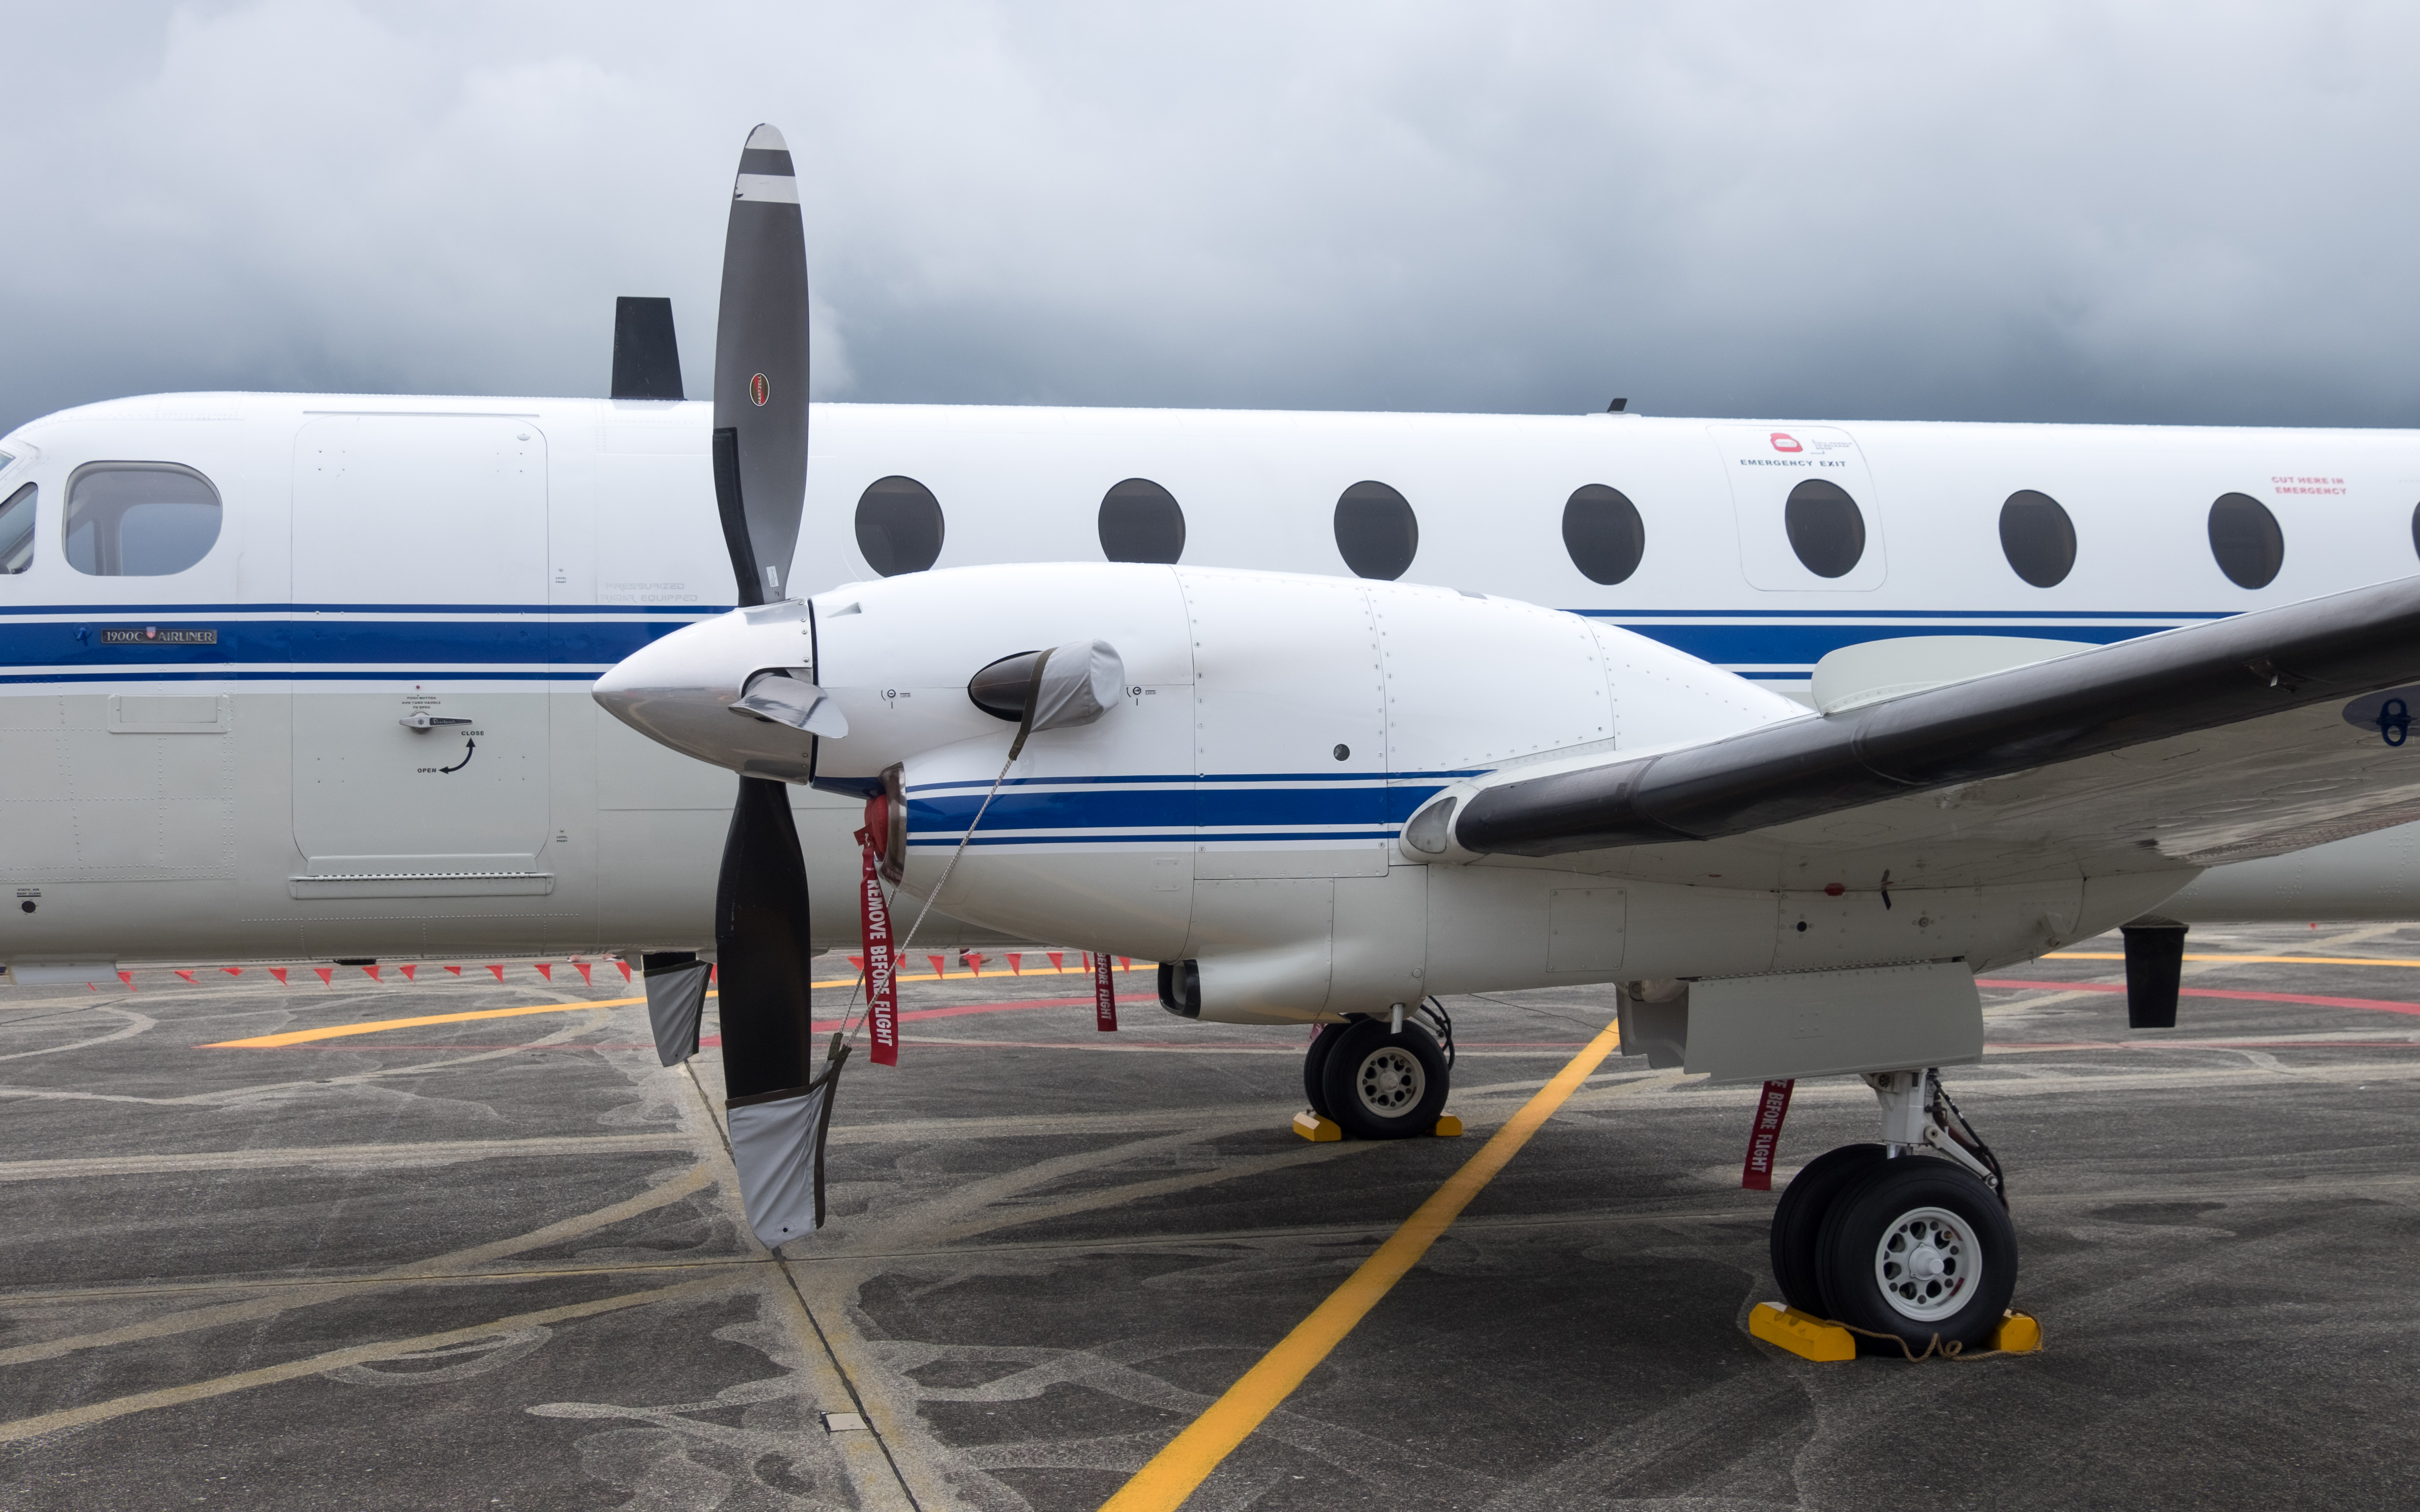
2247 672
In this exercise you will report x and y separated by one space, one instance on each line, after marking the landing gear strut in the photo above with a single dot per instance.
1382 1078
1908 1238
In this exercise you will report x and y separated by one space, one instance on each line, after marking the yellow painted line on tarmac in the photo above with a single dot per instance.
987 976
1172 1476
2252 959
337 1031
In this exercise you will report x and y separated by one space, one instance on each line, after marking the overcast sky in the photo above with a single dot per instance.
2201 213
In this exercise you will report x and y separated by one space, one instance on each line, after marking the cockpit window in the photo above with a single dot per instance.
17 530
139 519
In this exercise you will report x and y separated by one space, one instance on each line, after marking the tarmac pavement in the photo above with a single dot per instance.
497 1262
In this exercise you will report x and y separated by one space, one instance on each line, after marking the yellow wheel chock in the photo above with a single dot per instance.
1814 1338
1321 1131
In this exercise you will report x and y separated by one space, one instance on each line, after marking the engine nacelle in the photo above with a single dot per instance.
1240 807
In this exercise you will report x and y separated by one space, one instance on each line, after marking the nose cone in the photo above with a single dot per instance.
679 691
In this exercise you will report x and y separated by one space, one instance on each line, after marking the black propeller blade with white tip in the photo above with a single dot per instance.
779 1102
760 371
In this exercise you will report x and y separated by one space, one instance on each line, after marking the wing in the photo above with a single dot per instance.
2254 735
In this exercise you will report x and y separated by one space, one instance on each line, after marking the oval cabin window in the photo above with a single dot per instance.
899 526
2246 540
1604 534
1826 528
2038 538
139 519
1142 521
1376 531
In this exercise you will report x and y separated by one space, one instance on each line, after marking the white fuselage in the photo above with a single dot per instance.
484 560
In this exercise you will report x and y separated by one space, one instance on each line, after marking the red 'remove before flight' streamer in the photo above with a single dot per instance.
881 974
1757 1175
1104 995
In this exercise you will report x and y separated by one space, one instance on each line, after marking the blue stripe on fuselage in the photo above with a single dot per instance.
1208 804
41 643
337 644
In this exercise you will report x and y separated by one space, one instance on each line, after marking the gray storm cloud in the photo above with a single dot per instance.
2153 212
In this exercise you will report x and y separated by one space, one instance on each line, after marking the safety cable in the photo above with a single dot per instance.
1938 1348
1016 748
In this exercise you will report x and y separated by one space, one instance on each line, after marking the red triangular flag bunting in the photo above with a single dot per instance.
408 973
544 970
128 978
187 975
457 970
1058 960
497 970
279 972
939 969
372 972
1014 969
582 966
327 975
232 971
625 969
974 961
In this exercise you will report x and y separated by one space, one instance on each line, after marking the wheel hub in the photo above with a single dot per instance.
1928 1264
1392 1082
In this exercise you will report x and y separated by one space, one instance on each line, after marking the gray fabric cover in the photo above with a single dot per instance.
676 999
778 1144
1079 683
785 699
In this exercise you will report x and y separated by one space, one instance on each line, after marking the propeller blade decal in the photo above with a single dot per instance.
760 371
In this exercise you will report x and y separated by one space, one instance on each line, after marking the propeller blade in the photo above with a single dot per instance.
777 1105
760 940
760 372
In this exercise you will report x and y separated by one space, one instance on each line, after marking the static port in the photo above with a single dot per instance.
27 905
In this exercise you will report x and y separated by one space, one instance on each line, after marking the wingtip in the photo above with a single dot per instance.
767 139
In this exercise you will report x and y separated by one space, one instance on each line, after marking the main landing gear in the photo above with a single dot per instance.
1908 1238
1382 1078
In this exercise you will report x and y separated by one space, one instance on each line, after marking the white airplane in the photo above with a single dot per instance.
312 676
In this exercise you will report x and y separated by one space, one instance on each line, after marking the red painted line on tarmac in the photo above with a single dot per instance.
2374 1004
954 1011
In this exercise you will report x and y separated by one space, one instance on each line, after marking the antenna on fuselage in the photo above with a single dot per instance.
646 358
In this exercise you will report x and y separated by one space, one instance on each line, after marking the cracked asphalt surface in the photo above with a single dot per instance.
497 1262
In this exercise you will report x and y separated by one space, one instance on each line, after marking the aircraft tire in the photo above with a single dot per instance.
1872 1262
1798 1220
1315 1066
1380 1085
